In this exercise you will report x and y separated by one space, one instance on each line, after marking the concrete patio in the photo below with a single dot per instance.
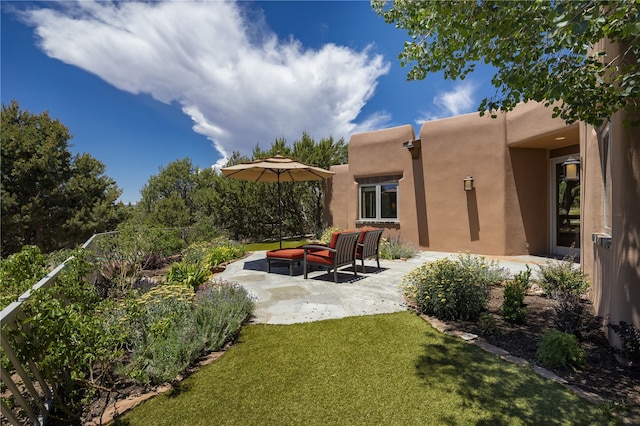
284 299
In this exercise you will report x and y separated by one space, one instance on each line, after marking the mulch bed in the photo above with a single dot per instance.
603 374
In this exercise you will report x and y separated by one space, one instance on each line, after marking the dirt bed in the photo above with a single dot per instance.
602 374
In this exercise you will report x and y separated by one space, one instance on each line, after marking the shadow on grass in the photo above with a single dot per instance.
502 390
178 389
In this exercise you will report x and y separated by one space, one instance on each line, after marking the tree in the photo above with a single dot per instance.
50 198
542 50
203 204
167 199
302 202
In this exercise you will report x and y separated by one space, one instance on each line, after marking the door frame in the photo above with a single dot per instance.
553 207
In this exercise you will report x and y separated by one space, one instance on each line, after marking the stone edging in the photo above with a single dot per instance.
502 354
118 408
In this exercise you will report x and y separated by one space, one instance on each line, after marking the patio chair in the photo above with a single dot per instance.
340 251
369 245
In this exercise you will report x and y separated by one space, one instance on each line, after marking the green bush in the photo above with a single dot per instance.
395 248
562 277
452 289
188 274
196 252
558 349
19 272
325 238
515 290
223 253
488 324
513 308
171 327
221 308
162 335
124 255
66 335
562 281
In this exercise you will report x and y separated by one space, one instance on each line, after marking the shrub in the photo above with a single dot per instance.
557 277
630 337
171 327
523 278
558 349
162 333
196 252
488 324
488 272
223 253
395 248
562 281
513 308
81 343
515 290
188 274
452 289
325 238
221 308
19 272
124 255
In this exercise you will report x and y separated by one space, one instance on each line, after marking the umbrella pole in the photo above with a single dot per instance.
279 213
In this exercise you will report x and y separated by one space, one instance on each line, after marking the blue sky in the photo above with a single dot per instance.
141 84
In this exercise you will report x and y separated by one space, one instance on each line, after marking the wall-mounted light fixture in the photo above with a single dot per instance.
571 169
413 147
468 183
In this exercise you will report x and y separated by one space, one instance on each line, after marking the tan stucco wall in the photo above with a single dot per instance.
337 193
506 213
458 220
614 270
531 121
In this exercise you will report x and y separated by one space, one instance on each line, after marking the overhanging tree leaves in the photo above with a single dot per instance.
541 50
49 197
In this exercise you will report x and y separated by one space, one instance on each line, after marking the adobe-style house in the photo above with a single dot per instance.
522 183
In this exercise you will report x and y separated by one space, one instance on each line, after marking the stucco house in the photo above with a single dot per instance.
522 183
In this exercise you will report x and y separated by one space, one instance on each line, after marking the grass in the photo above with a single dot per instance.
275 245
380 369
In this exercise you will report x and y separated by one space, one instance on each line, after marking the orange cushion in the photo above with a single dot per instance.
364 230
334 239
291 253
323 256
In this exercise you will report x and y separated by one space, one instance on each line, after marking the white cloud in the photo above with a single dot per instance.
455 102
239 83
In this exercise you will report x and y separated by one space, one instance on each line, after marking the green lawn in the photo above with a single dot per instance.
391 369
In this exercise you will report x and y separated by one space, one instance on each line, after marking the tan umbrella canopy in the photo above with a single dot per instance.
276 169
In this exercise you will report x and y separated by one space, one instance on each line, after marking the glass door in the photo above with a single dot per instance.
565 211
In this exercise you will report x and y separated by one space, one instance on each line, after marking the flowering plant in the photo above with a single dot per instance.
452 288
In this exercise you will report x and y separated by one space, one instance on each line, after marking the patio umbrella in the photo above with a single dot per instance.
276 169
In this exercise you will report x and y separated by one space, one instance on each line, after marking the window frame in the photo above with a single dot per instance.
378 183
607 187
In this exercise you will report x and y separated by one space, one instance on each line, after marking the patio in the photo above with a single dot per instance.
284 299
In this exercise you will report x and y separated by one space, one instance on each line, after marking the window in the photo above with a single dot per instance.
379 199
605 156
